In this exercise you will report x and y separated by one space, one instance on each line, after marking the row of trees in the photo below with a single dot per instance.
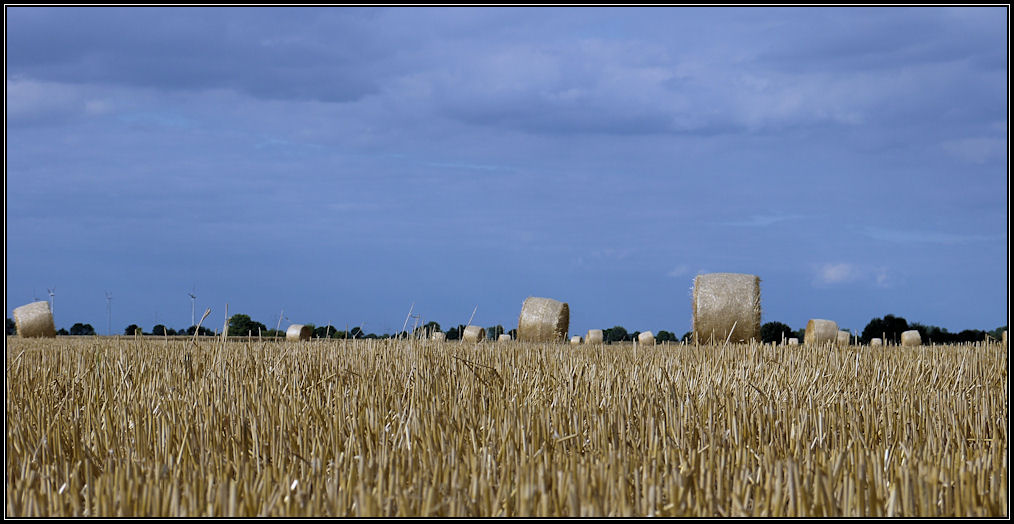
889 328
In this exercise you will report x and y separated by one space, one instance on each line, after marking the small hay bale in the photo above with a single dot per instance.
911 338
594 336
439 336
793 341
820 331
34 320
543 320
298 332
726 307
473 334
874 342
646 339
844 338
575 340
504 337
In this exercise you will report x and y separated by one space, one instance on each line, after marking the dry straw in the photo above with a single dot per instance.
298 332
543 320
793 341
594 336
820 331
874 342
646 339
911 338
473 334
844 337
575 340
439 336
504 337
726 308
34 320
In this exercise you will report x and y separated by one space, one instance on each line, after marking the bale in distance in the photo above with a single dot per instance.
34 320
844 337
298 332
646 338
793 341
911 338
473 334
543 320
575 340
874 342
594 336
820 331
439 336
726 306
504 337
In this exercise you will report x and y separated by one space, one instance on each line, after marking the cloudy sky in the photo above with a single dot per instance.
343 164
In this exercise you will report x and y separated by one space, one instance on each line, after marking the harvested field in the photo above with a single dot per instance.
158 427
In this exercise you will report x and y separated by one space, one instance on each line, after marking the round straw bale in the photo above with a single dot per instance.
911 338
473 334
820 331
543 320
874 342
298 332
34 320
844 337
793 341
504 337
575 340
439 336
646 338
726 307
594 336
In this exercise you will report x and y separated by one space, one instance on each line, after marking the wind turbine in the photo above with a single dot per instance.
193 303
52 299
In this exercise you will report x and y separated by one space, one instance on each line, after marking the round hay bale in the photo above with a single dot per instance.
874 342
575 340
34 320
473 334
439 336
298 332
543 320
504 337
820 331
911 338
793 341
646 338
594 336
726 307
844 337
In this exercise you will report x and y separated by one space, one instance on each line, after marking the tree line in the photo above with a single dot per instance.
888 328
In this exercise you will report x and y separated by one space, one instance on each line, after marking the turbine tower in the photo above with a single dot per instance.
193 302
52 298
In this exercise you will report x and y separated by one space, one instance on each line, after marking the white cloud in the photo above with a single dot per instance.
837 273
679 271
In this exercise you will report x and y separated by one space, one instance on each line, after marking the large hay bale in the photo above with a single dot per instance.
875 342
504 337
439 336
543 320
792 341
34 320
594 336
298 332
911 338
646 338
473 334
726 307
575 340
820 331
844 338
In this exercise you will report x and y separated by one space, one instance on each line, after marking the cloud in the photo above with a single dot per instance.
678 271
925 237
838 273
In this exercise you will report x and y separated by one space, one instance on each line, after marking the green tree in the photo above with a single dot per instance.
12 327
80 329
62 332
159 330
202 331
688 337
615 334
241 325
890 327
131 329
666 336
494 332
775 332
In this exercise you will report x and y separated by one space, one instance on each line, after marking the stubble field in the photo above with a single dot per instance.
124 426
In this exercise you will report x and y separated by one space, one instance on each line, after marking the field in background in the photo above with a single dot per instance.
156 427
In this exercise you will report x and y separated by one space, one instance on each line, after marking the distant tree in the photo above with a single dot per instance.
688 337
131 329
241 325
356 332
513 333
159 330
494 332
452 334
80 329
62 332
997 333
775 332
890 327
12 327
201 332
615 334
666 336
327 331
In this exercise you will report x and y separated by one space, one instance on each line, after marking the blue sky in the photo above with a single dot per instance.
343 164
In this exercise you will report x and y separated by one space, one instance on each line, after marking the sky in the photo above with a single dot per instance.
349 165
